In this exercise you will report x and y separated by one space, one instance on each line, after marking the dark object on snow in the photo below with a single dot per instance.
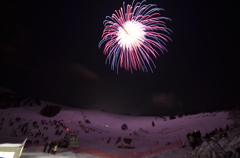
127 140
45 146
227 128
118 140
153 124
184 145
172 117
51 145
87 121
180 115
207 136
50 110
124 127
63 144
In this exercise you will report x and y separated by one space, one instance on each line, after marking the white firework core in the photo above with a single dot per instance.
131 35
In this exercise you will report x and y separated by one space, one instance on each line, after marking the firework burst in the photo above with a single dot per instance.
134 35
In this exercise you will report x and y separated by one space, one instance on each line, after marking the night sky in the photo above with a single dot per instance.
50 51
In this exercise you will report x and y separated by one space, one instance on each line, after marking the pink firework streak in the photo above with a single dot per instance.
134 35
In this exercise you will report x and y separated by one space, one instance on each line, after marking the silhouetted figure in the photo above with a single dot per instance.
45 146
220 129
227 128
153 124
55 148
192 142
198 138
207 136
50 147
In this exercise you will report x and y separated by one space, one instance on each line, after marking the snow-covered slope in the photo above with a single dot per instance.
100 135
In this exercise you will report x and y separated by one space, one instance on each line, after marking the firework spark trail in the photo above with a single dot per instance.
133 35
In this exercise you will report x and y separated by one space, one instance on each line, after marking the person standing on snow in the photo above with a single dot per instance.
45 147
50 147
192 142
55 148
188 134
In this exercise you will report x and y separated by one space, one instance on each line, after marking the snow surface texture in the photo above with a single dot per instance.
100 135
